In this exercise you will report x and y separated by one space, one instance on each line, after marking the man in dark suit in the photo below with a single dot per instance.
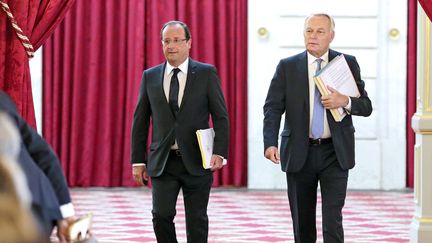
314 147
179 96
51 201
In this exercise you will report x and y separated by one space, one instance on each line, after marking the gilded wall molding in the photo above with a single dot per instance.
426 67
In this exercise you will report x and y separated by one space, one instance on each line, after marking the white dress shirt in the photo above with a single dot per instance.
182 75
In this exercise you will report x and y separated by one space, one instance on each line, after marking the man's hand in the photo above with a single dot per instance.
334 99
140 175
62 228
216 162
272 154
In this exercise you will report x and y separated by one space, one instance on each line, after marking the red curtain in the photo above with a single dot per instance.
411 88
37 19
427 7
92 69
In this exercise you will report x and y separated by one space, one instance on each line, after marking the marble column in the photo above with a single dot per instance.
421 226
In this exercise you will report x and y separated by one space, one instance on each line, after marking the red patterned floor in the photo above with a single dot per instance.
236 216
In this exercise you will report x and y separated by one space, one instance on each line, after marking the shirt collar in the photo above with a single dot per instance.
183 67
311 58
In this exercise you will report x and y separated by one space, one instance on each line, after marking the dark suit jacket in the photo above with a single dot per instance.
289 94
202 97
40 165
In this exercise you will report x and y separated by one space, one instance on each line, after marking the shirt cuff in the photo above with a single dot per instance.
348 107
67 210
138 164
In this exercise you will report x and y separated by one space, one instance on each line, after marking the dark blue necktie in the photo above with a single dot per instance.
317 129
174 92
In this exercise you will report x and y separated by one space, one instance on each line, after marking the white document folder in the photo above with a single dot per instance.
205 140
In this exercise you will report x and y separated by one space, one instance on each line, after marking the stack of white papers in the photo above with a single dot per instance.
337 75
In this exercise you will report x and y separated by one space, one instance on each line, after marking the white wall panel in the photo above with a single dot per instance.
362 29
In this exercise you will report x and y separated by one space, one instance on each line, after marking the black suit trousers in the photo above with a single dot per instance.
321 166
196 192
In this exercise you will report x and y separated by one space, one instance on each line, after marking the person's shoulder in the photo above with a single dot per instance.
3 95
201 65
350 59
6 102
156 68
347 56
294 58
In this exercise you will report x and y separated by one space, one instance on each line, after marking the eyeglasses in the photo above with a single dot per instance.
320 32
175 41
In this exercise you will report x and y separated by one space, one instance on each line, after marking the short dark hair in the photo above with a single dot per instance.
175 22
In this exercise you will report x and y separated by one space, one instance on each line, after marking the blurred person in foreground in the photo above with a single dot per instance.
314 147
50 199
17 223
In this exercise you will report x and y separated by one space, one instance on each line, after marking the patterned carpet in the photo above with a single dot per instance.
239 215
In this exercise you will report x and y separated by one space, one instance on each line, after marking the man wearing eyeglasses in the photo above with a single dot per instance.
177 98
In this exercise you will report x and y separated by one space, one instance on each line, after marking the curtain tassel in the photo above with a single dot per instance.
21 36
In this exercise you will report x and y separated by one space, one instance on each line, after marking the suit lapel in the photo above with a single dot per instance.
330 120
190 79
160 79
160 74
332 54
302 67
